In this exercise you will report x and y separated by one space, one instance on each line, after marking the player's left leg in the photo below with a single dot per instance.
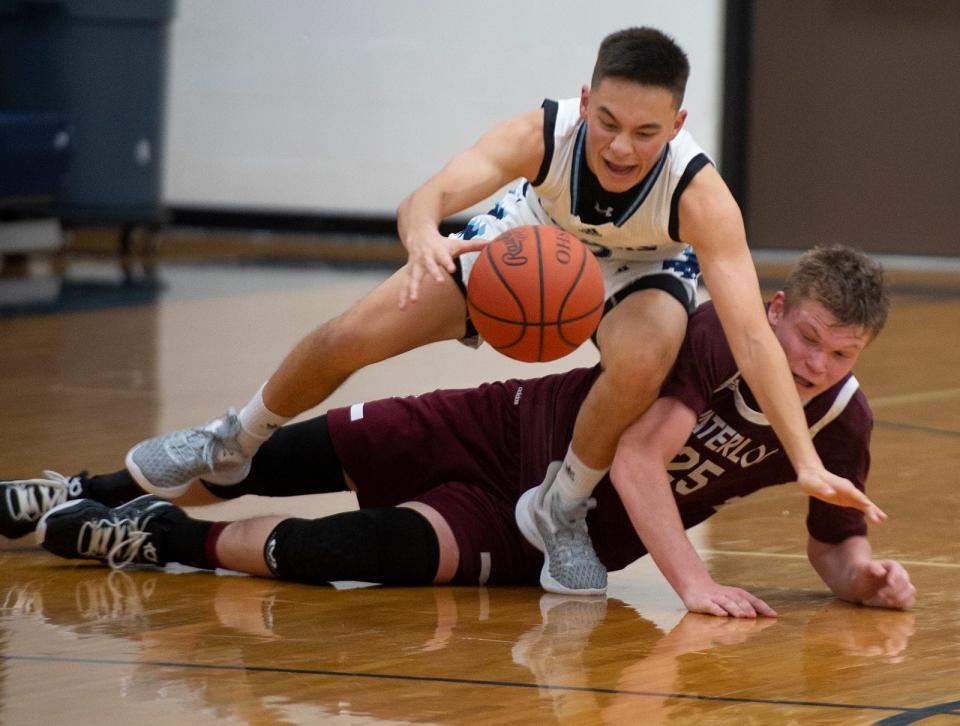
372 330
391 545
638 340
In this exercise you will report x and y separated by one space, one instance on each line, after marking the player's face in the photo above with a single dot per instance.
820 351
628 124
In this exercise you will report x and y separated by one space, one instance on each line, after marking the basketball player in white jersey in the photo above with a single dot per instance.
615 168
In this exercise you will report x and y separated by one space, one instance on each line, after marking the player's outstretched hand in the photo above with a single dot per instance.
432 256
884 584
712 598
821 484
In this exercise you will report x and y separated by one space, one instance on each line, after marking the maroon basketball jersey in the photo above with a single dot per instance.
733 450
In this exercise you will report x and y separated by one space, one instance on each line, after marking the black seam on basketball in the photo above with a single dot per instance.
516 299
545 323
573 286
543 304
560 321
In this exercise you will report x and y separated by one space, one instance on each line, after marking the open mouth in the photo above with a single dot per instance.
803 382
620 169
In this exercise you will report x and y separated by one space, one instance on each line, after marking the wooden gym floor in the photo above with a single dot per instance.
82 644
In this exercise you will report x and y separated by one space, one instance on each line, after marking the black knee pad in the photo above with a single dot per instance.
389 545
298 459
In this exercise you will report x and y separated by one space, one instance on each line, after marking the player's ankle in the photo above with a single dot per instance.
575 480
249 444
257 424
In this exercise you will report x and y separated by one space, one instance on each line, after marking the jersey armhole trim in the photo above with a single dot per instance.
549 107
839 404
695 165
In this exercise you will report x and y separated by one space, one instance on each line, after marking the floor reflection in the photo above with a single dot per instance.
196 648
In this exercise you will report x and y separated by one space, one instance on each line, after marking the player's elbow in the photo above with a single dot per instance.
402 211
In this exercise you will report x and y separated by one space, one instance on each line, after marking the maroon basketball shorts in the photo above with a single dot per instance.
468 454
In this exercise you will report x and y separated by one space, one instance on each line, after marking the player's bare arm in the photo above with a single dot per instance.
510 150
711 221
639 475
849 570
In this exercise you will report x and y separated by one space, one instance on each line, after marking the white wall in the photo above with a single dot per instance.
337 106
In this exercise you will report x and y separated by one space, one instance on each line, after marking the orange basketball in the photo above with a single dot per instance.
535 293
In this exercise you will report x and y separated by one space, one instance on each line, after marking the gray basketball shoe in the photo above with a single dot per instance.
130 534
570 564
166 465
24 501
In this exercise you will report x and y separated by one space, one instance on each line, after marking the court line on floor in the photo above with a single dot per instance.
791 556
900 710
921 397
916 427
938 709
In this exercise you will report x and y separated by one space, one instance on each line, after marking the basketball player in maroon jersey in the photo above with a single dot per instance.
437 475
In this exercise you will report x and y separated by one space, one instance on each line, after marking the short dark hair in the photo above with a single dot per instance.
646 56
848 283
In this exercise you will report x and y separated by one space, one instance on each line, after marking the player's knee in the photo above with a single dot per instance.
298 459
632 378
340 344
637 368
390 545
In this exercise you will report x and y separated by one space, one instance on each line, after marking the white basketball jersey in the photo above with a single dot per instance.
647 229
642 240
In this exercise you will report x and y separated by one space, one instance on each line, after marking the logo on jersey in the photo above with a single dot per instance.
608 212
717 435
694 471
590 230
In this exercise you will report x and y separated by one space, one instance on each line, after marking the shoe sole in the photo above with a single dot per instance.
147 485
524 515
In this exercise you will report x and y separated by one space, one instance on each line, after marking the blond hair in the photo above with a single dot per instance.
848 283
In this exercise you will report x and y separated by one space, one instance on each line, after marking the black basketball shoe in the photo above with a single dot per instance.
24 501
131 534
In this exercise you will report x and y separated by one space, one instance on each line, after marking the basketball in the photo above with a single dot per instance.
535 293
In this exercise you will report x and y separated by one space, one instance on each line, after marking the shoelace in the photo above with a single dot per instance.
577 549
209 438
29 499
575 516
116 541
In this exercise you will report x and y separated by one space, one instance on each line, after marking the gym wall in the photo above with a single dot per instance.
852 116
345 107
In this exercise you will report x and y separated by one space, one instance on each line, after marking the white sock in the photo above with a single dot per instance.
576 480
257 423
